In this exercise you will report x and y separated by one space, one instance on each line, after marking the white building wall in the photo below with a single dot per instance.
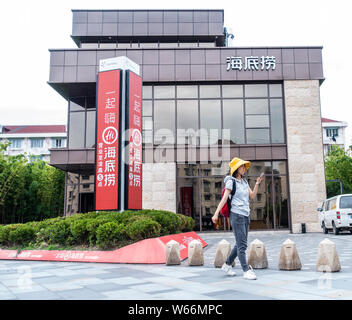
26 144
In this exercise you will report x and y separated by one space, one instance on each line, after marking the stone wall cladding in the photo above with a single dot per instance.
305 153
159 186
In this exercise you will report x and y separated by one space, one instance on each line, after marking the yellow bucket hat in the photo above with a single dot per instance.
236 163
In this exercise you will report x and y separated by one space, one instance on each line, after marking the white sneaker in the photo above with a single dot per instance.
250 275
228 269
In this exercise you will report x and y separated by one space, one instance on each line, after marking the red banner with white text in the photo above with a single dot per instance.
107 141
134 123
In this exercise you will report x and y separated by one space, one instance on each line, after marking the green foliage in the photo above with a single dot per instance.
5 233
109 233
58 233
169 221
143 228
29 191
187 223
338 165
22 235
102 229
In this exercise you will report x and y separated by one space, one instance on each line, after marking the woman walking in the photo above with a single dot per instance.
239 214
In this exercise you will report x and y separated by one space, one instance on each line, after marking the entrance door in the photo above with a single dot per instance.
86 202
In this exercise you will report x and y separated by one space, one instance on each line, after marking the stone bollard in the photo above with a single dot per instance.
289 259
257 255
222 252
328 259
195 253
172 253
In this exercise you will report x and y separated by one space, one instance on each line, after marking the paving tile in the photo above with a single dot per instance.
127 294
106 286
39 295
51 279
7 296
151 287
83 281
61 286
181 295
27 289
126 280
80 294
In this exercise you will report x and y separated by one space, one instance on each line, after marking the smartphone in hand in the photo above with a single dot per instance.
262 174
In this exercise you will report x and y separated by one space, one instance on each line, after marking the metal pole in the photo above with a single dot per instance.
122 141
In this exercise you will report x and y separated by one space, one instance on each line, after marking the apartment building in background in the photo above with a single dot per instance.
333 134
35 141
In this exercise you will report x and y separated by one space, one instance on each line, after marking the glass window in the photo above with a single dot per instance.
256 90
108 45
257 167
58 143
232 91
346 202
168 45
188 44
187 92
164 121
187 121
164 92
147 123
147 108
258 136
277 121
233 119
89 45
261 121
279 167
147 137
124 45
188 200
90 131
187 170
209 91
15 143
147 92
187 114
37 143
76 130
280 200
275 90
330 132
257 106
332 204
210 120
148 45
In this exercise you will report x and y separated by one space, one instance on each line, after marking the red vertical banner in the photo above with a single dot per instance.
107 141
134 124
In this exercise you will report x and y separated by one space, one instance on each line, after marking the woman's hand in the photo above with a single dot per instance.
259 180
215 218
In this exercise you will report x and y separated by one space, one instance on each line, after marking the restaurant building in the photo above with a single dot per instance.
203 104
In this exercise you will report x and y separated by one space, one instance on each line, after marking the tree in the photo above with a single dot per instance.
338 165
29 190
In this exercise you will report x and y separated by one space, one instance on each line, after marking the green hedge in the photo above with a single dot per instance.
105 229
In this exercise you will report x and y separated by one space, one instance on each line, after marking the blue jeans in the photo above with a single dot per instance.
240 224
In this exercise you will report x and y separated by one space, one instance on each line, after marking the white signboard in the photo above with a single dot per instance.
122 63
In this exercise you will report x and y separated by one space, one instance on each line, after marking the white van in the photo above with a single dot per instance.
336 214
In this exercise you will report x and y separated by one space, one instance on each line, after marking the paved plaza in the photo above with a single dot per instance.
31 280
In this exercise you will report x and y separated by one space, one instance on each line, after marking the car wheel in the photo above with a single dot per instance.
325 231
336 230
351 230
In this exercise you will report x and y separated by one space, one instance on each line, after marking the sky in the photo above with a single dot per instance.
30 28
